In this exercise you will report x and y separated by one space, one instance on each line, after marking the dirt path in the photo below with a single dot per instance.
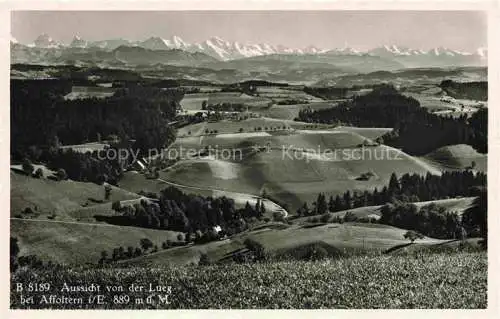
65 222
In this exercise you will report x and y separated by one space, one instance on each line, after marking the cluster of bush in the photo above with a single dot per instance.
120 254
292 101
224 107
146 246
348 217
207 131
253 252
271 128
29 261
28 212
29 169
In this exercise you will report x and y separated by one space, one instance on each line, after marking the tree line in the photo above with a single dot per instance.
408 188
466 90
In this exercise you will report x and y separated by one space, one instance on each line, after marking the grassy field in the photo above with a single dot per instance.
458 205
338 239
317 140
287 133
368 132
426 281
194 101
85 92
60 197
249 125
283 93
436 101
45 170
297 177
78 243
289 112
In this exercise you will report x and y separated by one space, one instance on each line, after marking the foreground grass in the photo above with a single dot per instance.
422 281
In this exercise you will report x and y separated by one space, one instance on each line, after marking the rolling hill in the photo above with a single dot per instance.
285 172
458 205
457 157
79 243
47 197
338 239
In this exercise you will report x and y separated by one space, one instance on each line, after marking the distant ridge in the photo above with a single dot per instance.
226 50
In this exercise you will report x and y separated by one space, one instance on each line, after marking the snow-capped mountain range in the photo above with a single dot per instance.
393 50
226 50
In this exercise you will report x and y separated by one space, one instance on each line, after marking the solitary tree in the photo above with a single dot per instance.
394 186
180 237
321 205
130 251
262 209
61 174
14 251
137 252
476 216
28 167
473 165
413 235
39 173
331 204
116 206
107 192
204 260
104 257
305 209
146 243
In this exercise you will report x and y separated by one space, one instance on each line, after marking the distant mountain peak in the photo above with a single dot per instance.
482 52
45 41
78 42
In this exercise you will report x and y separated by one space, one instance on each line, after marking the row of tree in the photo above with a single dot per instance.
408 188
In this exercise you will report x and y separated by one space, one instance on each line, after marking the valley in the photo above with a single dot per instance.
162 160
253 150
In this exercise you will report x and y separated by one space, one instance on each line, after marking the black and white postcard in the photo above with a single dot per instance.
254 158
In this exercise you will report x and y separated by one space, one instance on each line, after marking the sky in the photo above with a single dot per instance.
362 30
